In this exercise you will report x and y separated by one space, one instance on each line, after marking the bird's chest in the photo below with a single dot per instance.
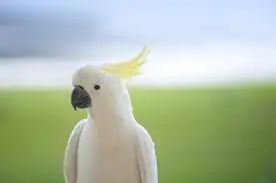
110 142
107 153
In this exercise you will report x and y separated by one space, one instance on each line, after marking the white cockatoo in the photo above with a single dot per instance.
110 146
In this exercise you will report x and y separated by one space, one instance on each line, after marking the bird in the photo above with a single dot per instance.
110 145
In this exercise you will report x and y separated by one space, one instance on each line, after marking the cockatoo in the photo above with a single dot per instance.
110 146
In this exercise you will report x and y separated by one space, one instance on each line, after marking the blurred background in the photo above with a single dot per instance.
207 95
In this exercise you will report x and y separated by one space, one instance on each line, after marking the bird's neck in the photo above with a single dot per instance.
111 116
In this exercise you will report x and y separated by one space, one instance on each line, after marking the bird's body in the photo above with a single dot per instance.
107 156
110 146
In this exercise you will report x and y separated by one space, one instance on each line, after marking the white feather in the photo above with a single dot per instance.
147 161
70 157
110 146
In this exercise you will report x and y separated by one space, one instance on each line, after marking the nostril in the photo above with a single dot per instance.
80 87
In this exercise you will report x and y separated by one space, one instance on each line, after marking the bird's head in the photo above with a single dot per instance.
100 88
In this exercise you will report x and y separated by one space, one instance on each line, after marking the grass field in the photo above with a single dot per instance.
207 135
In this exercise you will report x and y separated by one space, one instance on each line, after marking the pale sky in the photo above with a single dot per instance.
69 27
196 41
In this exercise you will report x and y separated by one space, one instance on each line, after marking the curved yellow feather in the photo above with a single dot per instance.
128 68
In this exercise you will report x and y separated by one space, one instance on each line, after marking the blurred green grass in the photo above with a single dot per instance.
218 135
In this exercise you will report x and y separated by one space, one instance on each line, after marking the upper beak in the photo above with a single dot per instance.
80 98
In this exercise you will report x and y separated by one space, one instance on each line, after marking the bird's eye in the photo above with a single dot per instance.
97 87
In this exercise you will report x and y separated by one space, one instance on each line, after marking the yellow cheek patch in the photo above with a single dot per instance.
128 68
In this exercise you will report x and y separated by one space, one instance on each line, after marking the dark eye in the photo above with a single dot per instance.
97 87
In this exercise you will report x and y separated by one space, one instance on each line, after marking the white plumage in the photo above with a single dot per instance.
110 146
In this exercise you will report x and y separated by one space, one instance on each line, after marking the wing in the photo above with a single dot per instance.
70 157
147 161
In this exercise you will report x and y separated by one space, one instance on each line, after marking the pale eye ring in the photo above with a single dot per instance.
97 87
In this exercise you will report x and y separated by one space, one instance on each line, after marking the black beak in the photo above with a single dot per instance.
80 98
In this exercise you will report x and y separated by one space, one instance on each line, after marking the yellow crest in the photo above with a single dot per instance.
128 68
